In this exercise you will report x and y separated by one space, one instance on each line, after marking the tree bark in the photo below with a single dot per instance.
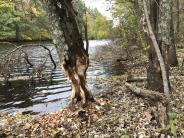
74 58
178 17
17 32
173 62
154 76
157 73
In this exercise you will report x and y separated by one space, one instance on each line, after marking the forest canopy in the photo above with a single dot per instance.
26 20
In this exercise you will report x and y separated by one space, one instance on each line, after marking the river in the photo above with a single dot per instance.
51 94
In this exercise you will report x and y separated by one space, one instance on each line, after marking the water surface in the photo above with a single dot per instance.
52 92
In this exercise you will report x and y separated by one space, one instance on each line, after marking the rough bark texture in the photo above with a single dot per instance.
173 62
68 40
138 15
178 17
158 71
154 72
17 32
160 19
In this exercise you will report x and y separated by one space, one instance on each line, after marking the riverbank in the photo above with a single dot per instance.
119 113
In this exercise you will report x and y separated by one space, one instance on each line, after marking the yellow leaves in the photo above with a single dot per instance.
4 4
35 11
7 119
25 37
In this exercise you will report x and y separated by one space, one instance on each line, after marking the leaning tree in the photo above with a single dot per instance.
159 32
74 58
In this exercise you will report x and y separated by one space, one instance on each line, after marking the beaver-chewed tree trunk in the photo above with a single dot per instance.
70 47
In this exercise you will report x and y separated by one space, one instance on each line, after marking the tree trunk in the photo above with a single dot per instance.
138 13
164 38
69 44
178 17
17 32
173 62
154 76
160 20
158 70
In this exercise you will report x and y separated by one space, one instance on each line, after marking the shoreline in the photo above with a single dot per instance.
117 113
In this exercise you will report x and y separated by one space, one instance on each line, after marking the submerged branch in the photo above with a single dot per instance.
51 57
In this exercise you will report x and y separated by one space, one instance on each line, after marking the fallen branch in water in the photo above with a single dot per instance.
7 61
50 55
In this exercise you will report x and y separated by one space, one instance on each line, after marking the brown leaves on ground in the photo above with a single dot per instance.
119 114
66 123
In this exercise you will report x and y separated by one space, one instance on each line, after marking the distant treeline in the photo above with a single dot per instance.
26 20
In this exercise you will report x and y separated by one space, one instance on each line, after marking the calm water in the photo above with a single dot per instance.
52 93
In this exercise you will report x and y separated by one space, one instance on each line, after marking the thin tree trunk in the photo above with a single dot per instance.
173 62
17 32
178 16
73 56
138 14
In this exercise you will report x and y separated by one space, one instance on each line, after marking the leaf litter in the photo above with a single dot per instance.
117 114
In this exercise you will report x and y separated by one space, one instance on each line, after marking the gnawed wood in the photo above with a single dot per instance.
74 58
153 95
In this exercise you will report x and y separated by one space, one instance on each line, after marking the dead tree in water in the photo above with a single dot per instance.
15 56
70 47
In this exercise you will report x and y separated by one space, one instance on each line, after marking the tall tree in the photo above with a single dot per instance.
74 58
160 17
158 70
172 51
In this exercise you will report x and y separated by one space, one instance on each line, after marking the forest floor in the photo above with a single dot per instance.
117 113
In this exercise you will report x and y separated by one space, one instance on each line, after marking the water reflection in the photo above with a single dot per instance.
52 92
